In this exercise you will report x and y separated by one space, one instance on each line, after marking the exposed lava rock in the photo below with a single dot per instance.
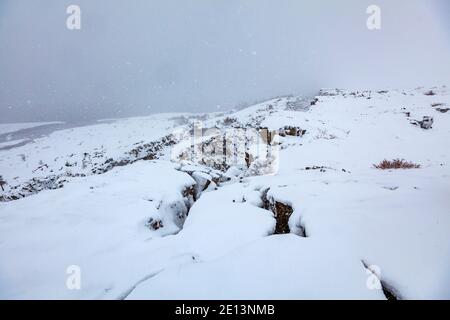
281 211
282 214
189 193
155 224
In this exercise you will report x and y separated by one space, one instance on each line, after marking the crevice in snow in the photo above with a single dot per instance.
175 211
206 179
389 291
170 212
124 295
282 212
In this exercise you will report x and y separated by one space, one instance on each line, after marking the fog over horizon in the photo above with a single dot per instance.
134 58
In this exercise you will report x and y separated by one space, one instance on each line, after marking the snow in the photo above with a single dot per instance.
211 229
395 222
278 267
92 222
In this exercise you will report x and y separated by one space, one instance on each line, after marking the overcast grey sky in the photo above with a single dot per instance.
145 56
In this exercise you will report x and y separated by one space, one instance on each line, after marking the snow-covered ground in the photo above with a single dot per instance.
141 218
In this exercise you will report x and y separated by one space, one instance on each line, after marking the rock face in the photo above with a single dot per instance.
282 212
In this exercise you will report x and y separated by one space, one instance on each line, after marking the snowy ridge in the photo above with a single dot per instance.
156 222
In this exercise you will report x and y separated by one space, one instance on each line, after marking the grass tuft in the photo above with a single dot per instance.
396 164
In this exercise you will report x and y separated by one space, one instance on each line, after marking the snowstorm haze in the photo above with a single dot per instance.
139 57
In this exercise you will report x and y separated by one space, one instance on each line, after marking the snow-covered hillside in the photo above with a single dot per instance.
280 200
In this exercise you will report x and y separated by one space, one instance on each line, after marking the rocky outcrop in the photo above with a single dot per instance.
291 131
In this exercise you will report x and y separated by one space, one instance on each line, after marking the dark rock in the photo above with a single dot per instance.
281 211
155 224
291 131
426 123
